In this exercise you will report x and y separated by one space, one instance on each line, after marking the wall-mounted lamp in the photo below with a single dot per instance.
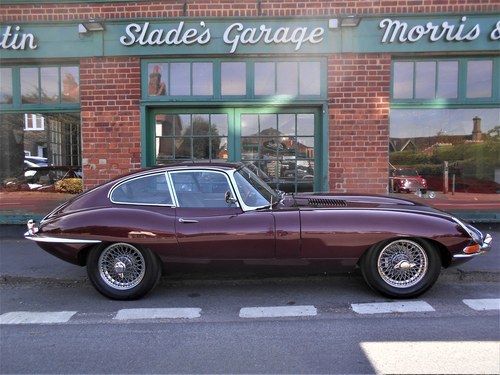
90 26
344 21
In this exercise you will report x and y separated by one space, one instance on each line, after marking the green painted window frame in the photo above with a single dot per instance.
461 100
17 104
234 111
250 79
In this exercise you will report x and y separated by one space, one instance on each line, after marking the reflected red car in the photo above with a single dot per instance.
131 229
407 180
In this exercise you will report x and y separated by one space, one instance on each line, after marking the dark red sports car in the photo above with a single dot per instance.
130 229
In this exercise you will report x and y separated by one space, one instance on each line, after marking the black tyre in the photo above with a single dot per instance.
123 271
401 268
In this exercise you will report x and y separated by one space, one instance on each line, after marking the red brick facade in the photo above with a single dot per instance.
358 84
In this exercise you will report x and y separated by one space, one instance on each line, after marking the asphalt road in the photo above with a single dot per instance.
53 321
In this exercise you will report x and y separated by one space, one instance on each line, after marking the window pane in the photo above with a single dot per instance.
233 78
403 80
425 81
70 76
180 79
479 79
50 85
183 126
6 91
268 124
220 124
447 79
202 79
309 78
145 190
305 124
29 86
249 125
265 78
287 78
158 79
201 125
286 124
182 148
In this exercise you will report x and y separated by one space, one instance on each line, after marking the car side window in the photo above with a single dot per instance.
201 189
145 190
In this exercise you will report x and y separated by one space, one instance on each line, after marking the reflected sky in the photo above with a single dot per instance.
413 123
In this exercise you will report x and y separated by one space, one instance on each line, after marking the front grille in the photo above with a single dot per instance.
327 202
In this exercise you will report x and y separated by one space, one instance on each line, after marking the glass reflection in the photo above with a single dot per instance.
233 78
50 84
191 136
264 78
309 78
180 79
403 80
447 86
275 148
468 139
70 76
158 79
6 91
479 79
202 79
30 86
287 83
425 80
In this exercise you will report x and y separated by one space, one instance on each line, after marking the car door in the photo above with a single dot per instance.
208 227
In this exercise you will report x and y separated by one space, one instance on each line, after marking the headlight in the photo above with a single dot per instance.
470 230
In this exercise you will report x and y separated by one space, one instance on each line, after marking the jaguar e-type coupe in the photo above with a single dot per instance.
129 230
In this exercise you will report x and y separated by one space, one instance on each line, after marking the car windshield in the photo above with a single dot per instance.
254 192
407 172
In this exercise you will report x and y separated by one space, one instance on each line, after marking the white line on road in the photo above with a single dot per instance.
30 317
483 304
277 311
391 307
158 313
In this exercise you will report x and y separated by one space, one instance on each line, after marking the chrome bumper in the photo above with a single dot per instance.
37 238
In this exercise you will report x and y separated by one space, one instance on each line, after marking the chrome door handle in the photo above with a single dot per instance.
181 220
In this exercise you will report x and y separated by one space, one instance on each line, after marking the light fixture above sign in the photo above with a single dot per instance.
344 21
90 26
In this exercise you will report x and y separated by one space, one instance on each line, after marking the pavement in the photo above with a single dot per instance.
22 261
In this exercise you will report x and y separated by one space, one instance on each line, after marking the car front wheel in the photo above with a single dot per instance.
123 271
401 268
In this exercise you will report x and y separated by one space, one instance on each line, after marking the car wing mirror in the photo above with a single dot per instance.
230 200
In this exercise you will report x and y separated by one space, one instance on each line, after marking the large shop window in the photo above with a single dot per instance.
264 112
40 134
445 124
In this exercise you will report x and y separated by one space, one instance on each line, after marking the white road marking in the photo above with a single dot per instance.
27 317
433 357
483 304
391 307
277 311
158 313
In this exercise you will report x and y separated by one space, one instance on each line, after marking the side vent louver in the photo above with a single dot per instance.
327 202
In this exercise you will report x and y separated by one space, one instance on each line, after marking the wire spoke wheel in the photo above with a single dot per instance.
121 266
402 263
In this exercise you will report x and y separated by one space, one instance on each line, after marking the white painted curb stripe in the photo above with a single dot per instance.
277 311
483 304
25 317
158 313
391 307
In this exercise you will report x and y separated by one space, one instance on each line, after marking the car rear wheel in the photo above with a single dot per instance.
401 268
123 271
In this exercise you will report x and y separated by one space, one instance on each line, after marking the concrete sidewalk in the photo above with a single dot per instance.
22 261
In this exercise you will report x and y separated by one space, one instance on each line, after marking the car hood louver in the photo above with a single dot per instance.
327 202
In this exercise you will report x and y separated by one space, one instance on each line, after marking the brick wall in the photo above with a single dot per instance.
358 85
358 120
110 114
